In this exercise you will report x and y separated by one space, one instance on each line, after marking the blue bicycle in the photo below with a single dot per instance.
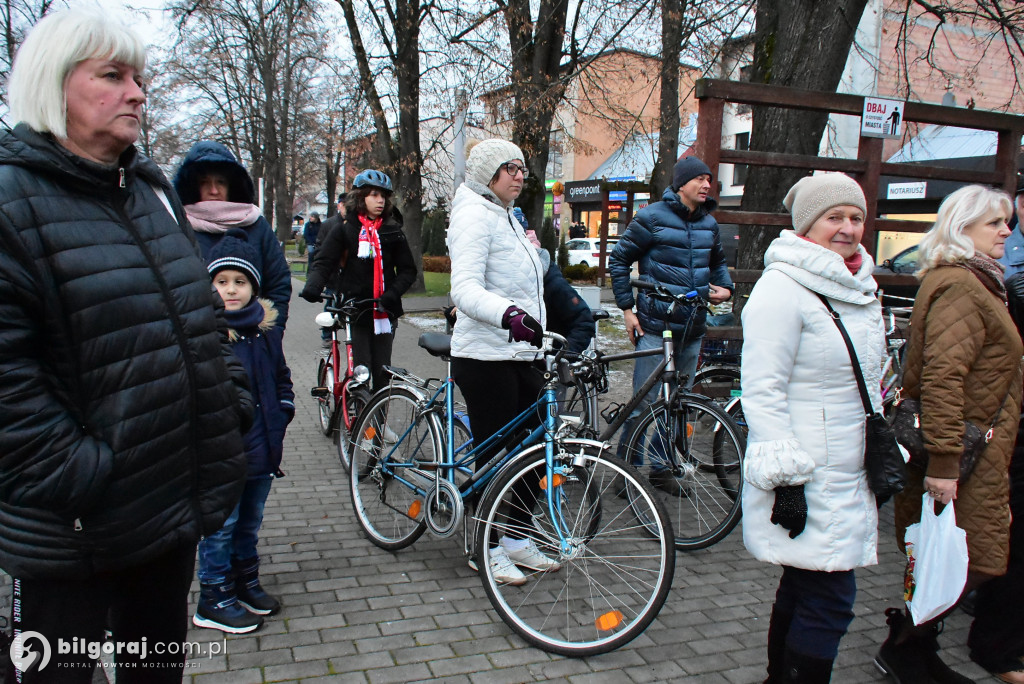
413 470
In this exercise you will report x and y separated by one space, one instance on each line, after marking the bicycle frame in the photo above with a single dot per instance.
354 376
542 436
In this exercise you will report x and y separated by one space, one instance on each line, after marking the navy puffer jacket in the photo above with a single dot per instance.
120 399
275 275
675 247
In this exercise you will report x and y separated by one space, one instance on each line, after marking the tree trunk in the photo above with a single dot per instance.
668 138
802 44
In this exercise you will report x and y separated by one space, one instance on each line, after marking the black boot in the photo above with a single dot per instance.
938 670
778 628
250 593
803 669
903 656
219 609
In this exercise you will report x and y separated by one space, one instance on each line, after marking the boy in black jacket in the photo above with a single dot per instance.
231 598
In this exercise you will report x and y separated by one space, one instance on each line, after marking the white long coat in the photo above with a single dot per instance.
804 411
494 266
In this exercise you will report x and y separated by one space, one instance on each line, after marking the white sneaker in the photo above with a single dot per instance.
504 570
532 558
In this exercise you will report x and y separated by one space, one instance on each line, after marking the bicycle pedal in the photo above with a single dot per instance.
319 392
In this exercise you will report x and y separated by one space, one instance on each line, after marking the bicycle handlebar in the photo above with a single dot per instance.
661 292
346 307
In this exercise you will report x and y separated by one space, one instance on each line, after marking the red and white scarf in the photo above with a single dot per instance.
369 247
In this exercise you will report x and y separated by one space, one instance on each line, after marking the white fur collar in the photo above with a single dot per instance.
821 270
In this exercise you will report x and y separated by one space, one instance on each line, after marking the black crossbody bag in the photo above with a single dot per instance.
883 460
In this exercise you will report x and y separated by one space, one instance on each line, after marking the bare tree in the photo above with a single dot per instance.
16 18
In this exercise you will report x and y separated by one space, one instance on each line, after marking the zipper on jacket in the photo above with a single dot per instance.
520 234
78 525
120 176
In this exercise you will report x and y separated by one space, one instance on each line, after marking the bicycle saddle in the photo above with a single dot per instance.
437 344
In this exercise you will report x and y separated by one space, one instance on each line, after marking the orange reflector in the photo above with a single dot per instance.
559 480
609 621
369 433
414 509
689 429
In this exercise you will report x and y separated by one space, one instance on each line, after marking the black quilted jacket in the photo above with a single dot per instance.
120 401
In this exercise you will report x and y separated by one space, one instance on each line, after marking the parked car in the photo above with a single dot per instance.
904 263
586 251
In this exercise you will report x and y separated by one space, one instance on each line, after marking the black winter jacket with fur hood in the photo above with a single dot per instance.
120 400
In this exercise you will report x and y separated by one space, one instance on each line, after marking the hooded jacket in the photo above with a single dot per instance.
494 266
208 156
803 408
674 247
336 265
256 341
120 400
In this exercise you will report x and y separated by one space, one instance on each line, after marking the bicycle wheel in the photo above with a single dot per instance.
326 405
614 576
675 452
354 403
391 432
728 462
720 383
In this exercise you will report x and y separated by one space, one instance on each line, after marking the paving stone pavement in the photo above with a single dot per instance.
355 613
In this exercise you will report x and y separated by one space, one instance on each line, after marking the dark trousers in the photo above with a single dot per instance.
372 350
997 634
819 606
495 393
148 601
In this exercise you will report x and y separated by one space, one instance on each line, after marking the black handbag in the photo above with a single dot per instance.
883 460
906 423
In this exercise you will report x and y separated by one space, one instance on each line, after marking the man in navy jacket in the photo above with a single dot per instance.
676 243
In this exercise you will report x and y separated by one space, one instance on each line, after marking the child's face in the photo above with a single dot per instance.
375 202
234 288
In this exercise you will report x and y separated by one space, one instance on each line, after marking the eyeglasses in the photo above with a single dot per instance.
511 168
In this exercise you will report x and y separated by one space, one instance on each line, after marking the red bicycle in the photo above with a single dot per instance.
340 397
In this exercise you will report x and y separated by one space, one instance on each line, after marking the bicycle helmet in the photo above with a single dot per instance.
371 178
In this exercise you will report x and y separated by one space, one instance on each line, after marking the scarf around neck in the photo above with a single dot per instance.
369 247
247 318
989 272
217 217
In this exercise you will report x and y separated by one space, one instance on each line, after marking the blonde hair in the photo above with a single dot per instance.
53 48
945 242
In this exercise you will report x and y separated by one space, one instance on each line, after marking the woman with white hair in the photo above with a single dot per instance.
120 402
963 363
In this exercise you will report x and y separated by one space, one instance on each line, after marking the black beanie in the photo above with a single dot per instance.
234 252
687 169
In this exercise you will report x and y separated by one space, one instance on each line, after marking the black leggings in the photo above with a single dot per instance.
372 350
495 393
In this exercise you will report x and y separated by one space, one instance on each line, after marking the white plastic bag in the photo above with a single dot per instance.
936 562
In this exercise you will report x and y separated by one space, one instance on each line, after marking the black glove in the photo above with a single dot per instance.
311 295
389 302
790 509
522 327
450 315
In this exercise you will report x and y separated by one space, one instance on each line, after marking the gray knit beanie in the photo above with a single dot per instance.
812 196
487 155
686 170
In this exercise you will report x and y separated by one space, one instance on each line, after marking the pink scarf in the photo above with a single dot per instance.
369 247
218 217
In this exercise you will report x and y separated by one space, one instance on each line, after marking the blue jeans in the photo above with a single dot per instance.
819 606
685 355
237 538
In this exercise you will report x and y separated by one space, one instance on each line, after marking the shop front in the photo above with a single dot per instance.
586 197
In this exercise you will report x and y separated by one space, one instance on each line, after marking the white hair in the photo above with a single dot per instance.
945 242
53 48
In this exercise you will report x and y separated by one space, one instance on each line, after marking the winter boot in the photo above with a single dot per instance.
778 628
903 656
803 669
250 593
938 670
219 609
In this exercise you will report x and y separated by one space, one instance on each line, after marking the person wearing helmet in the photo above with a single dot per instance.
367 256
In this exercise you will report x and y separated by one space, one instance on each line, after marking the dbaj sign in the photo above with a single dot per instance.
882 118
583 191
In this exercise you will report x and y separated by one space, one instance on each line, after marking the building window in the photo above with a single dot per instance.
739 171
554 169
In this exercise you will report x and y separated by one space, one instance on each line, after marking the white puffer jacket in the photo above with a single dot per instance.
803 408
494 266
